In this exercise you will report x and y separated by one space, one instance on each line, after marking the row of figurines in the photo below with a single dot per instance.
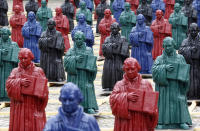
115 49
133 102
189 9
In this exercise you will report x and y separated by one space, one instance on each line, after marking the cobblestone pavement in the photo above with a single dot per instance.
104 117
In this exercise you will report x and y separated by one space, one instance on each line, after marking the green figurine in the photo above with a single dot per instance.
8 60
84 10
127 20
43 14
171 76
179 25
80 65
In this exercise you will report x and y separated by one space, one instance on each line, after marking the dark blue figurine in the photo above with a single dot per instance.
141 39
118 8
70 116
31 32
196 5
89 4
157 5
86 29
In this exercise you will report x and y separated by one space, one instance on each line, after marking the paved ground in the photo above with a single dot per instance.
105 117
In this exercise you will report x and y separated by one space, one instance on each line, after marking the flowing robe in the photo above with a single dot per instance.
127 21
196 6
62 25
146 10
20 3
190 13
68 11
104 29
134 4
31 6
142 47
169 8
114 59
157 5
31 32
100 13
192 57
172 103
118 8
6 66
87 13
3 13
43 15
179 27
82 77
125 119
27 112
16 22
80 122
87 30
161 29
51 44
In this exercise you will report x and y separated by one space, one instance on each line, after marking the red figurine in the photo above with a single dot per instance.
62 25
161 29
134 5
39 2
27 88
169 7
104 29
16 22
133 102
20 3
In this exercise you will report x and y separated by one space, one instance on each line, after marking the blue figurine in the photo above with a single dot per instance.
157 5
70 116
141 39
31 32
86 29
118 8
196 5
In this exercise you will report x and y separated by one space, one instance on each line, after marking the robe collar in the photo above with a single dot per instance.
30 68
51 32
193 41
135 83
76 117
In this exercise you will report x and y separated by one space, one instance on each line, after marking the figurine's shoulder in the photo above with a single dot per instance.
185 42
146 84
88 49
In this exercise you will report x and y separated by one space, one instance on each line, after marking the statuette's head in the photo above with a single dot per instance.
25 56
131 67
115 28
51 24
107 13
159 14
70 97
79 38
5 33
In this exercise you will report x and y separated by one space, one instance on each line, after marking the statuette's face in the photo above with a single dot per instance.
43 3
69 101
193 31
81 18
140 21
79 40
25 59
143 1
82 5
177 7
5 35
168 47
187 2
131 71
31 16
17 9
51 25
107 13
159 15
127 7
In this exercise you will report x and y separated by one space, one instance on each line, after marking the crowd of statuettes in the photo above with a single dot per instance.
155 35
